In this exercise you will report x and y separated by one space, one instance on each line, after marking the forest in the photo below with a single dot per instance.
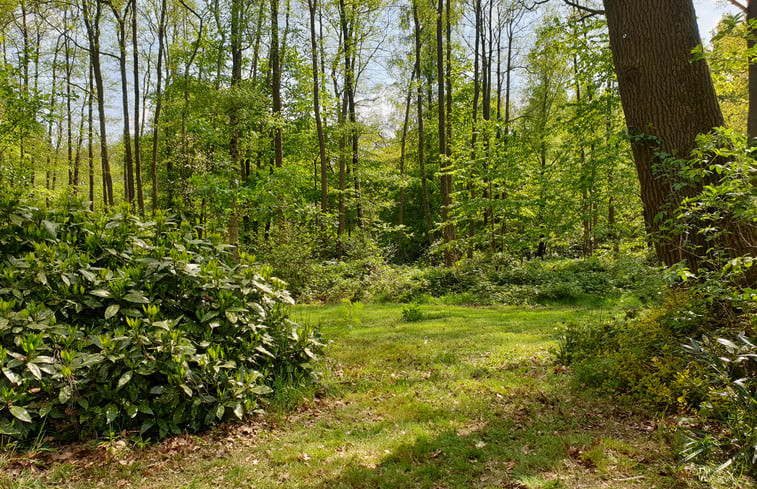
414 244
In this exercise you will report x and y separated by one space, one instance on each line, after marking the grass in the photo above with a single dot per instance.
463 398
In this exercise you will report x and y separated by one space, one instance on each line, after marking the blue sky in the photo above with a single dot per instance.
709 13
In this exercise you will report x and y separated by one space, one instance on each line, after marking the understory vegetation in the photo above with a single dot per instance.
109 324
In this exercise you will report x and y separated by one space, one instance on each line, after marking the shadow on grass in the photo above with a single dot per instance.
533 441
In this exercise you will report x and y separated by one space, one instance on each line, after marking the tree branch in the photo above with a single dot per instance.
591 11
738 5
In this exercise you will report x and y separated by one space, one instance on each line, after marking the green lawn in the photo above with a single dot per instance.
465 398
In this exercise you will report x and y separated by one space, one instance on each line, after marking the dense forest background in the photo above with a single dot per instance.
329 124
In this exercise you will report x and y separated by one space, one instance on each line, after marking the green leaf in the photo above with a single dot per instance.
125 378
239 411
136 298
100 293
219 411
20 413
11 430
111 413
42 278
186 389
12 376
261 390
111 311
208 316
65 394
264 351
45 410
51 228
233 318
34 370
131 411
88 275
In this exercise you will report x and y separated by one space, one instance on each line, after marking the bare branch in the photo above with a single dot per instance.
591 11
738 5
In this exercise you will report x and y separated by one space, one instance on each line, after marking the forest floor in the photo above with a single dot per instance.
463 398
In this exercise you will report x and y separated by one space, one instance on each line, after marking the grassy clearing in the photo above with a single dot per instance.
464 398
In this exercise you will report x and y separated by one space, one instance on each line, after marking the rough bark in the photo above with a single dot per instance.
668 99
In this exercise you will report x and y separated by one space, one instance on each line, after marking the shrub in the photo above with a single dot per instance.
412 313
637 359
108 323
731 394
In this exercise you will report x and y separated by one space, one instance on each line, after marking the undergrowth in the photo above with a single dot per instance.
112 324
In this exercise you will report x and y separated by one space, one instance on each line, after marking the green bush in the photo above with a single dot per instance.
730 394
638 359
108 323
412 313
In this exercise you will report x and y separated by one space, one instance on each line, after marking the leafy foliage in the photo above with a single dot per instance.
108 323
731 395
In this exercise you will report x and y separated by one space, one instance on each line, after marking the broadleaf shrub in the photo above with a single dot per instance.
109 323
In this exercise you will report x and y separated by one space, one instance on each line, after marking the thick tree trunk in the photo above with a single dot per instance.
668 99
751 17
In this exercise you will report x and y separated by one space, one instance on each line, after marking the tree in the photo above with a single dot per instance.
92 12
668 99
749 7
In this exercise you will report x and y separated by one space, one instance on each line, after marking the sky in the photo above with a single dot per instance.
709 13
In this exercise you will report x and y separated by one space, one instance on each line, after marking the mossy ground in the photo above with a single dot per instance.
464 398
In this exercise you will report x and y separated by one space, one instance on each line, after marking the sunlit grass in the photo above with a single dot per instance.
465 398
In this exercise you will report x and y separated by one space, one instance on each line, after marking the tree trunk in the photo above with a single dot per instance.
312 6
668 99
445 179
751 18
93 34
403 141
90 135
128 157
278 149
158 105
137 149
421 136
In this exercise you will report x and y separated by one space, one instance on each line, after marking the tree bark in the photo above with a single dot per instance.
128 157
137 148
421 135
668 99
278 149
158 105
312 6
92 23
751 42
445 178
